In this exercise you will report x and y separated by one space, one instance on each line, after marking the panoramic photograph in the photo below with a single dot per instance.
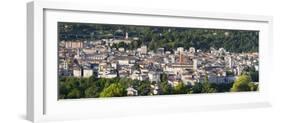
109 60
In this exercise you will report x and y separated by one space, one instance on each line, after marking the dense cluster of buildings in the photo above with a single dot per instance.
97 58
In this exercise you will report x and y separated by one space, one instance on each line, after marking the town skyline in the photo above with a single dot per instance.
122 65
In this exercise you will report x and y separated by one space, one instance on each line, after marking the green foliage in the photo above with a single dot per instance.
167 37
113 90
251 71
244 83
91 92
197 88
222 87
254 75
204 87
144 88
165 88
253 86
75 88
69 87
74 93
164 77
180 89
207 88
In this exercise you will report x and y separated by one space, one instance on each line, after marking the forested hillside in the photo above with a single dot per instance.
167 37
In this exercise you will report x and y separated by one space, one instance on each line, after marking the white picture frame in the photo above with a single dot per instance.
42 103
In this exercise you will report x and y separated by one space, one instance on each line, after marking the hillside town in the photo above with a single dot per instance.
189 66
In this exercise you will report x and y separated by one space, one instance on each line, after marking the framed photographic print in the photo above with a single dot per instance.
101 61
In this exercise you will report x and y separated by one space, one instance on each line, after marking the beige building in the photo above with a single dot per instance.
143 49
77 72
73 44
87 72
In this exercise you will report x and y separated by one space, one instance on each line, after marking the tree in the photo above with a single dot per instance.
73 94
222 87
180 89
253 86
197 88
164 77
144 88
241 84
207 88
91 92
165 88
168 37
113 90
254 75
204 87
69 87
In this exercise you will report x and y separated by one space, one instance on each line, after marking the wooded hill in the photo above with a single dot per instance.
167 37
